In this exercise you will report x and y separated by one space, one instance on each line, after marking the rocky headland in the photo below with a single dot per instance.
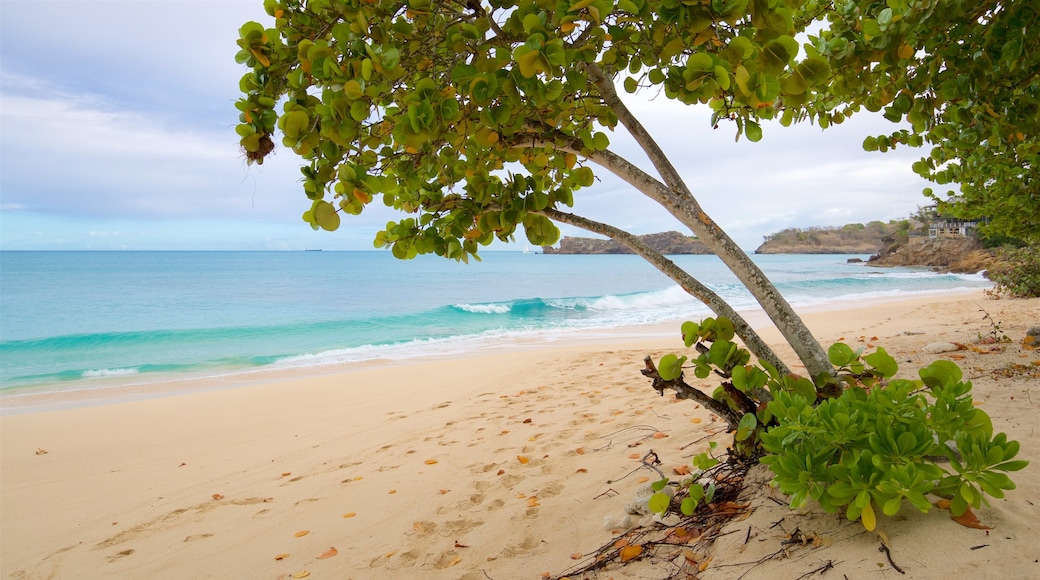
848 239
960 255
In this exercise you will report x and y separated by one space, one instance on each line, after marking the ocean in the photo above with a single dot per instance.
86 320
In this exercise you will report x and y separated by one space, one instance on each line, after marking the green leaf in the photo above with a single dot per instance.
941 373
724 329
748 424
882 362
325 216
670 367
840 354
659 503
753 131
690 333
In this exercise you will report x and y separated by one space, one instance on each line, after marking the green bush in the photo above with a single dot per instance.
858 440
1018 271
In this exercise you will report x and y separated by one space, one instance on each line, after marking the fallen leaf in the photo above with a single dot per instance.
634 456
301 574
389 555
704 565
349 514
444 491
430 462
631 552
286 473
582 470
643 479
522 459
456 560
533 501
660 435
968 520
621 543
460 545
521 495
302 533
504 431
873 338
527 421
218 496
41 451
281 556
419 527
695 420
576 556
501 471
268 499
392 491
328 554
182 464
681 470
943 504
580 451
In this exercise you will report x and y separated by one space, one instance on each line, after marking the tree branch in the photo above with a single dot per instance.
688 283
681 203
686 391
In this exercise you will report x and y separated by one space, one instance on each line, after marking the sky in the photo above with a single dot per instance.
117 133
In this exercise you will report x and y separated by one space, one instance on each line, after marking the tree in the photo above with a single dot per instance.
965 76
483 117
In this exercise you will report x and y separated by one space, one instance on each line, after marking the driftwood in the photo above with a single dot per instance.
685 391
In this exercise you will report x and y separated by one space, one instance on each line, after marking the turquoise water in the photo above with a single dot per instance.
70 319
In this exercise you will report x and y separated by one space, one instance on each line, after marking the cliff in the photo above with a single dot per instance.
962 255
848 239
667 243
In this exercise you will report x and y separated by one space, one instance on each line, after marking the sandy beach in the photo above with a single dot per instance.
509 464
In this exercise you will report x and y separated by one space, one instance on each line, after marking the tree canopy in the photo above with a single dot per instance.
964 78
479 118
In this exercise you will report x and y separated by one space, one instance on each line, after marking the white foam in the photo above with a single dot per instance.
485 308
109 373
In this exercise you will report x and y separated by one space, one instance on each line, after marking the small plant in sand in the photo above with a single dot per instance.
857 440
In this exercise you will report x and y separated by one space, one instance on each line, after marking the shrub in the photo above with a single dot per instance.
1017 273
858 440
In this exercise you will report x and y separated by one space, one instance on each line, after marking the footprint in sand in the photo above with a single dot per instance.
197 537
447 560
120 555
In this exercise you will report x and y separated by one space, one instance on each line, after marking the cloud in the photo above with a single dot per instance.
119 116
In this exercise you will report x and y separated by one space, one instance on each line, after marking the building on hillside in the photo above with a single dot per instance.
952 228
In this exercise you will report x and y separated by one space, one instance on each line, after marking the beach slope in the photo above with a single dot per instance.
507 465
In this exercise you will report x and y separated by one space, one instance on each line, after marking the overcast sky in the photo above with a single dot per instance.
117 132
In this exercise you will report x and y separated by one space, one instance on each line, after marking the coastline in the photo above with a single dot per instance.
466 467
135 387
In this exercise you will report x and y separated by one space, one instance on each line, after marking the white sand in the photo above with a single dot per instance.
498 466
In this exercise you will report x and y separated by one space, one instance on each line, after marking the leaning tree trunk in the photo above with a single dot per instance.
688 283
680 202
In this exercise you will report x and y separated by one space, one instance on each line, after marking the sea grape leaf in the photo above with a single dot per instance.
882 362
747 426
659 502
840 354
670 367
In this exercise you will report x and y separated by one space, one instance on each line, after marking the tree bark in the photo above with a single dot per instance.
688 283
680 202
